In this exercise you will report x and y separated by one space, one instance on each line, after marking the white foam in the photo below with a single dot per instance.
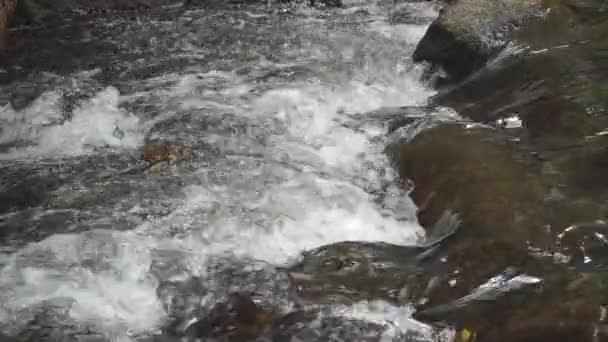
98 122
319 205
103 273
308 187
296 216
396 319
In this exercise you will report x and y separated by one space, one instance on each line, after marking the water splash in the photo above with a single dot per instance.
47 131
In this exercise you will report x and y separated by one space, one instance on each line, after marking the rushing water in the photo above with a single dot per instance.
266 99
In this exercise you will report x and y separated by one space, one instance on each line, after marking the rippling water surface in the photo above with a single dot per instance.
266 99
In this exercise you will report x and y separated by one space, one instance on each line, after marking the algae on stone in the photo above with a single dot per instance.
469 32
462 170
556 83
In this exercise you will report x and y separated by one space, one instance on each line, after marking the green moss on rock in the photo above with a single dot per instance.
468 172
468 32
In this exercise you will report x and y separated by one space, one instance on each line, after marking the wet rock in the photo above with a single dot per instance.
323 325
554 81
579 173
316 3
326 3
50 321
221 305
462 266
470 32
567 307
155 153
495 291
25 194
239 318
7 9
347 272
585 244
509 199
40 12
478 175
181 301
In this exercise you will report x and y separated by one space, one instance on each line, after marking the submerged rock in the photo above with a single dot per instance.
316 3
155 153
326 3
470 32
239 318
347 272
39 11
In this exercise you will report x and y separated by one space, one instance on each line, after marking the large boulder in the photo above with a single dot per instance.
472 172
556 83
501 187
556 86
521 215
469 32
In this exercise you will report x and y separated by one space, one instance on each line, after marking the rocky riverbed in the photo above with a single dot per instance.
316 170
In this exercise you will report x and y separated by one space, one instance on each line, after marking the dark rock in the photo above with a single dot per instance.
555 83
470 32
462 266
7 9
39 11
487 282
164 152
346 272
326 3
496 291
316 3
473 172
236 319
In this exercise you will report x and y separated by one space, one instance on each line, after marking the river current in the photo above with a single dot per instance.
273 102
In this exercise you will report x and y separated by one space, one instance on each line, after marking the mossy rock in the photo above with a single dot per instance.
470 32
585 168
568 308
347 272
556 84
564 306
473 173
462 266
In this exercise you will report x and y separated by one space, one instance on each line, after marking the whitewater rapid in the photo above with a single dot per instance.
267 102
